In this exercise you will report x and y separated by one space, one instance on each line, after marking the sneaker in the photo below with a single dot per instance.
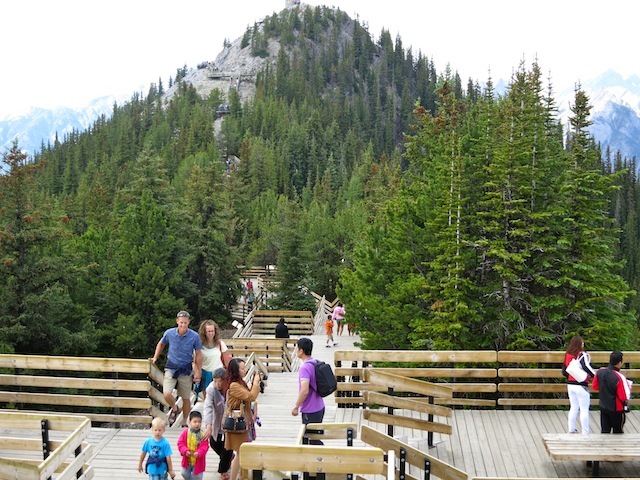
328 346
335 343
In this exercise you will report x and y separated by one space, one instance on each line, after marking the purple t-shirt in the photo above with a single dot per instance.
314 402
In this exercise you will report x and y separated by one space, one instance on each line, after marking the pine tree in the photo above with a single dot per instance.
594 294
37 312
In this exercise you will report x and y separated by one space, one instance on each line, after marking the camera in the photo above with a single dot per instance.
263 376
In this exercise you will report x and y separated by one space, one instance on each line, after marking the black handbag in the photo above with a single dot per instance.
233 424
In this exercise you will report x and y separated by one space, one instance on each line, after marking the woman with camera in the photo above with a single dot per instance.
239 398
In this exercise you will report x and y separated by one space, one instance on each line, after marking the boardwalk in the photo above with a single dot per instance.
496 443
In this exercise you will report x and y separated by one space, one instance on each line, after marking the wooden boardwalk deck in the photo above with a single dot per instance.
491 443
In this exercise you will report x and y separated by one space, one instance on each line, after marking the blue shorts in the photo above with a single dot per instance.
159 476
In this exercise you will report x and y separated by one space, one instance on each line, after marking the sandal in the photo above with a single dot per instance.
172 416
224 476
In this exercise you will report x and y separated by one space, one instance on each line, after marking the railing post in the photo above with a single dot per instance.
350 435
430 418
77 452
427 470
402 474
390 412
44 429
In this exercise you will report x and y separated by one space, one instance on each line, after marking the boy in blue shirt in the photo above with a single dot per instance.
159 450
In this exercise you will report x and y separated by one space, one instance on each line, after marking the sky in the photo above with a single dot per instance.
68 52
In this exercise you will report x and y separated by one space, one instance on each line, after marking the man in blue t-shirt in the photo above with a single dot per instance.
183 367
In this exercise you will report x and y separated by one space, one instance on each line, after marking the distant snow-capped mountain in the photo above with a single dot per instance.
615 115
615 112
41 125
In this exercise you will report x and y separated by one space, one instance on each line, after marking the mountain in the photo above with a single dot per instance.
41 125
615 113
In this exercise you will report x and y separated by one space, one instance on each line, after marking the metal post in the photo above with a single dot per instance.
257 474
44 429
390 412
427 470
430 433
350 435
402 474
77 452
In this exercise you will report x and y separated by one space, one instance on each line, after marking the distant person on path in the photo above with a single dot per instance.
159 450
338 315
181 368
309 403
250 299
282 329
615 392
579 397
212 349
214 406
193 447
249 286
239 397
328 328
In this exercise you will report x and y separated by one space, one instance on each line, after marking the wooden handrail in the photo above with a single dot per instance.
312 458
78 429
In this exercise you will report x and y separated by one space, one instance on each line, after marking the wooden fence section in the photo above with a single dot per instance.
505 379
274 353
300 322
469 374
111 390
412 457
403 385
534 378
22 454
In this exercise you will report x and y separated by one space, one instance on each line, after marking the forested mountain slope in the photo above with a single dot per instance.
111 231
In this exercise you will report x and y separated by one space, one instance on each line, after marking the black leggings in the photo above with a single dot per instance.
225 455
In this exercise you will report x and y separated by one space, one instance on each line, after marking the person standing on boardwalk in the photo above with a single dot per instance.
282 329
338 316
309 403
239 397
193 448
328 329
578 389
615 392
214 406
184 364
159 450
212 352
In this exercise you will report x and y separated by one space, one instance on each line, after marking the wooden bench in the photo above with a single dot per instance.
594 448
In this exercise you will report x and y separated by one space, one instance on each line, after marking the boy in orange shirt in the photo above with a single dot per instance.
328 327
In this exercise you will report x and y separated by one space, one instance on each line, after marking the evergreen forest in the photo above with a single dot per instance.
444 215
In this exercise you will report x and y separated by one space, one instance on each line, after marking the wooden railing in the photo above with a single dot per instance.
485 378
377 457
109 390
395 384
274 353
300 322
28 451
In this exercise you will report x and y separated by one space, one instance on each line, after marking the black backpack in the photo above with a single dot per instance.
326 382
